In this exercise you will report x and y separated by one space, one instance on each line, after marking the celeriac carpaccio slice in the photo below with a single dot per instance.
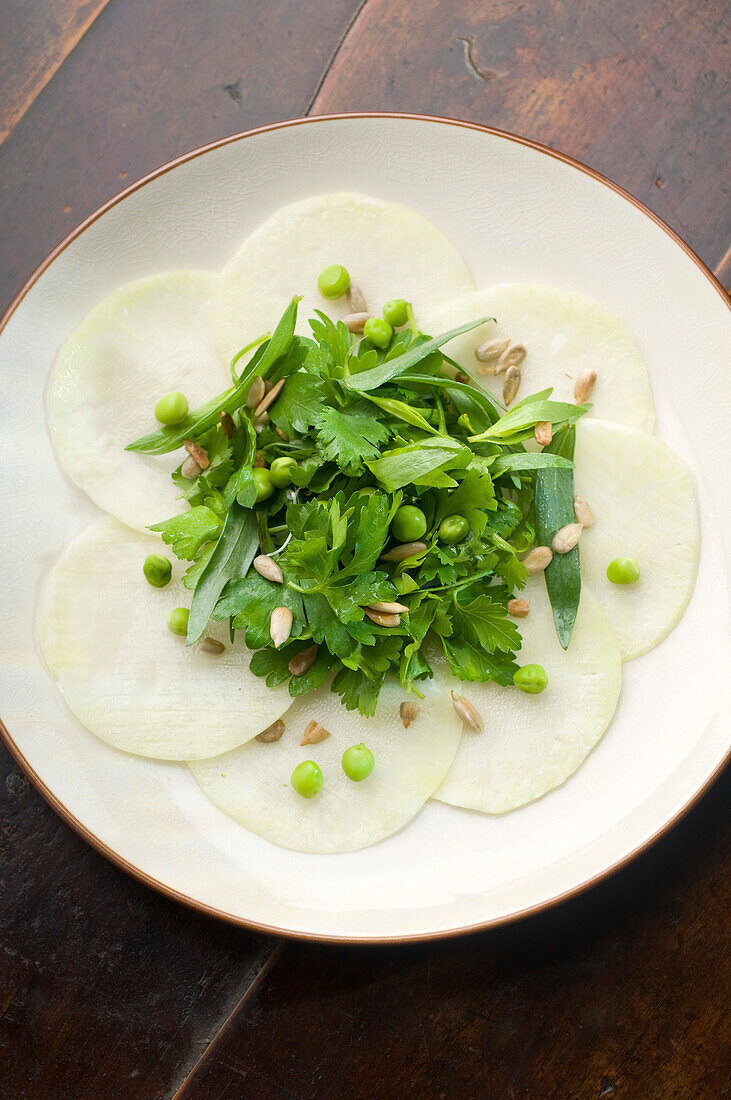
389 250
145 340
103 633
532 743
564 334
644 506
252 784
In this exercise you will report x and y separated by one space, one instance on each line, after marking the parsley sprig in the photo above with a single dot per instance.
368 430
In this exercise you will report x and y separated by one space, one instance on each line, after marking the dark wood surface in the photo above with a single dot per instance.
106 989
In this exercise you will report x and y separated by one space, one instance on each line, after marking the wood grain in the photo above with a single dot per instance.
638 91
106 989
622 992
149 81
37 35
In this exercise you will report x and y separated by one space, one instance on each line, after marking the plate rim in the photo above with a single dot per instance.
137 872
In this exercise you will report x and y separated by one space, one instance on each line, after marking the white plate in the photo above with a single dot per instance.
517 212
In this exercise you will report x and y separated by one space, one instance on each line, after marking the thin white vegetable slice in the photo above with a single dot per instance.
103 633
145 340
643 500
252 784
389 250
564 334
532 743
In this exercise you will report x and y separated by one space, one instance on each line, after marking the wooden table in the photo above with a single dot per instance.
106 989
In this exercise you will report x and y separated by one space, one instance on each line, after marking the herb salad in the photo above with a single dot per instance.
350 498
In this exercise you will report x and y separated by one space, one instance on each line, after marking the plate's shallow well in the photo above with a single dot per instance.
516 213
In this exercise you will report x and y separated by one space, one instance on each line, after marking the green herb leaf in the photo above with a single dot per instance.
406 465
187 531
527 414
300 403
527 460
250 602
554 508
417 351
234 552
349 438
207 416
401 411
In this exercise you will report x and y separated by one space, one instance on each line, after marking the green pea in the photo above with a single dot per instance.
157 570
531 679
264 484
409 523
378 332
280 472
172 408
178 621
623 571
453 529
333 282
396 312
358 762
307 779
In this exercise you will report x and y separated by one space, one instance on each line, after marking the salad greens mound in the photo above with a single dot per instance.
377 438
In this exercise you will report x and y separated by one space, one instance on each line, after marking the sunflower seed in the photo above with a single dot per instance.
271 733
299 665
190 468
282 435
227 425
280 625
566 538
259 462
408 712
491 350
269 398
314 732
469 715
355 322
260 423
381 619
584 385
538 559
388 608
511 385
268 386
356 299
211 645
512 357
583 512
257 389
543 432
268 568
197 453
518 608
404 551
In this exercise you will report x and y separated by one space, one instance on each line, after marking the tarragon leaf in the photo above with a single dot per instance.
415 353
554 508
231 558
206 416
405 465
527 460
529 413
